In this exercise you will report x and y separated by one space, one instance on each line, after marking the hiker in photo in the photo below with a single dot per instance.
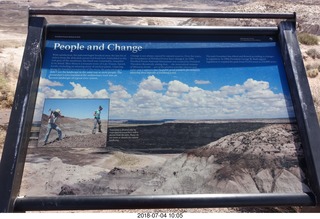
54 115
97 120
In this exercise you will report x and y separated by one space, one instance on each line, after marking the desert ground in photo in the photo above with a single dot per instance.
263 160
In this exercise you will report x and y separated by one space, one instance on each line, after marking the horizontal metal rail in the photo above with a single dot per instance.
162 201
203 14
176 30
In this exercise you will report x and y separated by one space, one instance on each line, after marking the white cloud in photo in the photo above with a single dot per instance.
118 91
113 87
77 91
176 88
101 94
155 99
232 90
121 94
252 99
146 97
151 83
253 85
46 82
202 82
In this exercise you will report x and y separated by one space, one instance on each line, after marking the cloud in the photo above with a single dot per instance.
151 83
77 91
143 97
156 99
121 94
46 82
113 87
101 94
253 85
202 82
118 91
176 88
232 90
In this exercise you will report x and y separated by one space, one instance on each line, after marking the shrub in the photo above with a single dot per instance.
312 73
308 67
2 82
313 53
6 97
307 39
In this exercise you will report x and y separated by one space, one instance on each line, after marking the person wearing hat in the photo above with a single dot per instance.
53 125
97 120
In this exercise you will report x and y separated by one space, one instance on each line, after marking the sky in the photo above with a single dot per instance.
77 108
175 80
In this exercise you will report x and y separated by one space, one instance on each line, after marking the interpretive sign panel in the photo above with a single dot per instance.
186 117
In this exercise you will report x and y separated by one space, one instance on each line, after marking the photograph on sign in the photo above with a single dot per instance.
73 123
182 117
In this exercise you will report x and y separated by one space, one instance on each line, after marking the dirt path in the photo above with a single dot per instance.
4 116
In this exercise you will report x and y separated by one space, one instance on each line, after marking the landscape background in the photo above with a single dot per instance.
13 16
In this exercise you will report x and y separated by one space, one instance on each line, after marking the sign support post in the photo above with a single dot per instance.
14 152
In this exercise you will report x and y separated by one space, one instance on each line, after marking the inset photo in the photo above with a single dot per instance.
74 123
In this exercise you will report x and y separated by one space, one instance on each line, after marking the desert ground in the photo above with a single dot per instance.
86 170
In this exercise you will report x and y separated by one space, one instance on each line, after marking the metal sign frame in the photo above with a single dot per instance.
15 148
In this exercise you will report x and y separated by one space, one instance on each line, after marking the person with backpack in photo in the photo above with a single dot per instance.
54 115
97 120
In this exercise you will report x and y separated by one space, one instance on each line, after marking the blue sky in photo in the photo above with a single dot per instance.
219 74
77 108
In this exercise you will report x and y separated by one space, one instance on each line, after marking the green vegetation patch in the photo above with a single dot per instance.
312 73
313 53
6 97
308 39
